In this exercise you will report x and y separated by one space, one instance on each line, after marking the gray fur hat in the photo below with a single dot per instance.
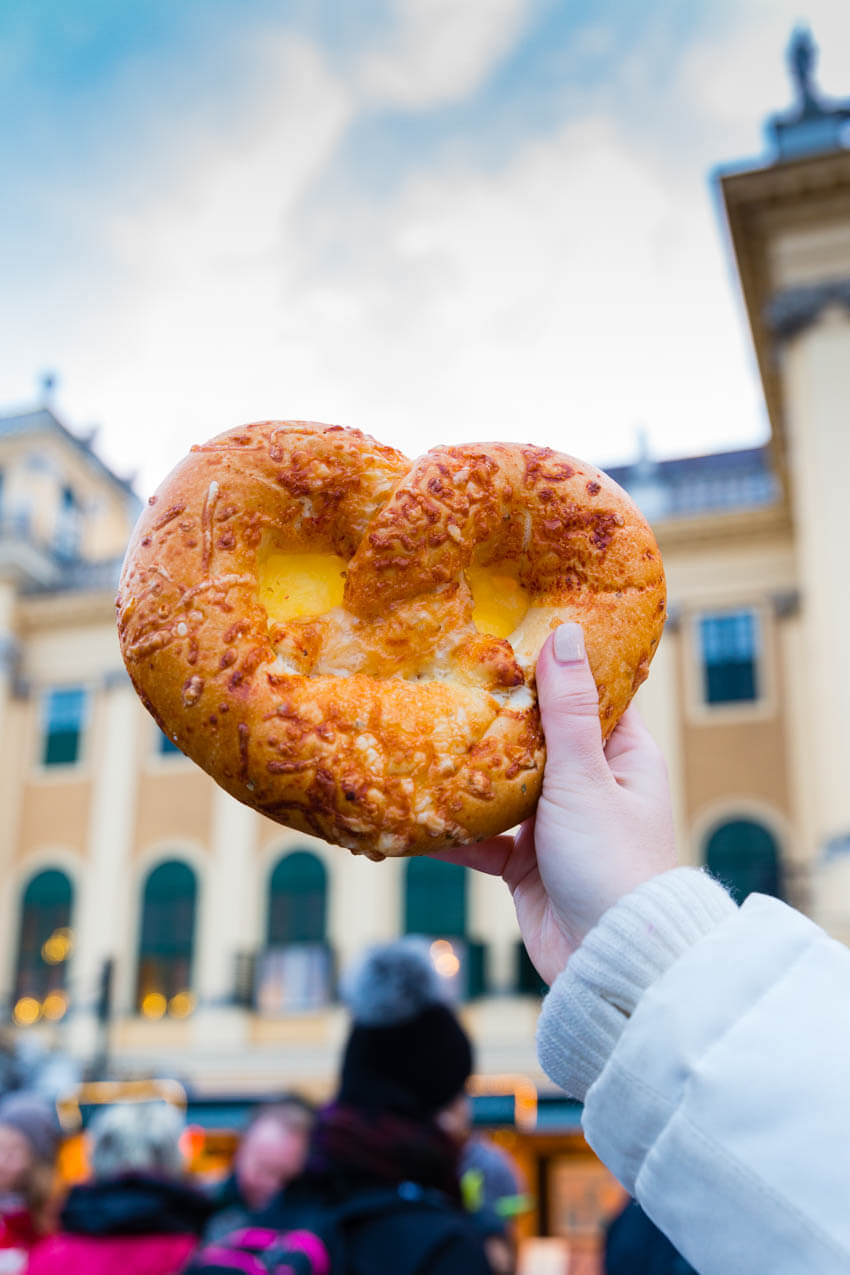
392 982
141 1137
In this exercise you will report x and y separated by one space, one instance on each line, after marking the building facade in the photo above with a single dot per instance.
130 882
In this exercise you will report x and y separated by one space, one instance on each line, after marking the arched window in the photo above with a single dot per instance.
167 940
295 973
44 945
434 898
744 856
298 900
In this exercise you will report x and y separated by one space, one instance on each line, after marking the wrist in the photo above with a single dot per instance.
633 944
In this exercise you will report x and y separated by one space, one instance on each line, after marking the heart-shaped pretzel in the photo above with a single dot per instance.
346 640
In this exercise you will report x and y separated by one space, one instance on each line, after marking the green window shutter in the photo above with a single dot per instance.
167 932
45 907
744 856
434 898
476 970
528 981
298 901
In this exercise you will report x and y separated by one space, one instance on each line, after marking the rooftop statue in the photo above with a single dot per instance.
802 54
815 124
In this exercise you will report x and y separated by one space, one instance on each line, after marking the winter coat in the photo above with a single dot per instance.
635 1246
231 1210
132 1225
720 1100
355 1153
18 1235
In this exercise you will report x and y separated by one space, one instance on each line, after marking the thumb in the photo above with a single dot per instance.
569 705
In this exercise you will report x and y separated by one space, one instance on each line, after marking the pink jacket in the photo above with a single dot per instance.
65 1254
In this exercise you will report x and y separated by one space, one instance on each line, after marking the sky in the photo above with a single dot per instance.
436 220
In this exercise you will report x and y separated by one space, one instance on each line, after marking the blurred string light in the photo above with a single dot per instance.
27 1011
157 1005
154 1005
57 948
55 1006
444 958
181 1004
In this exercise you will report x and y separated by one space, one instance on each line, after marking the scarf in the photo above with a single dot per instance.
381 1148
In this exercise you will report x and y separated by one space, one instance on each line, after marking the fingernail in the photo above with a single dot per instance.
569 644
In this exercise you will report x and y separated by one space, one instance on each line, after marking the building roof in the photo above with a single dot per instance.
720 482
42 420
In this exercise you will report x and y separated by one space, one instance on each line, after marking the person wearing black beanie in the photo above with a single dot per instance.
406 1058
406 1051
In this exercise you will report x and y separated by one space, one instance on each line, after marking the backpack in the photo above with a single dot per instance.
315 1238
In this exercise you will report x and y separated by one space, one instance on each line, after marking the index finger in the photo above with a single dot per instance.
490 856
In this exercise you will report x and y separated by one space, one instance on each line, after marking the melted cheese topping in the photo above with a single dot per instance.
293 586
499 601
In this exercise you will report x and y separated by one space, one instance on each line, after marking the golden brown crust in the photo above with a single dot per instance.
389 725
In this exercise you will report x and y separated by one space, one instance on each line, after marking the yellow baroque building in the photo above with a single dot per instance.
130 884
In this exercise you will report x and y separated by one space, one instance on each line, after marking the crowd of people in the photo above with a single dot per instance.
709 1044
391 1171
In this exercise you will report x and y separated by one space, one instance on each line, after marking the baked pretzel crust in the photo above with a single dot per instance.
389 725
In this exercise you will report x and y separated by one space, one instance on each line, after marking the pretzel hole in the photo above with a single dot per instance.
294 585
499 601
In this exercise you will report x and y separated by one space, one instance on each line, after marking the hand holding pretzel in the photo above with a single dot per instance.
603 823
346 640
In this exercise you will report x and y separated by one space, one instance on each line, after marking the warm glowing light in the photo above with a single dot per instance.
154 1005
57 948
181 1004
444 958
27 1011
293 586
499 601
55 1006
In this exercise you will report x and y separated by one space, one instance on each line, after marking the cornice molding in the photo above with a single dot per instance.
66 608
793 310
773 521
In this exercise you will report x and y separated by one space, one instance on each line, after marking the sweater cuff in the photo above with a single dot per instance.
630 947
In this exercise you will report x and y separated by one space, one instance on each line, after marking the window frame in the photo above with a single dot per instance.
732 817
60 983
139 955
277 862
730 712
65 769
415 864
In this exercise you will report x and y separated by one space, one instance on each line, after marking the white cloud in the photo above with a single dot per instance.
576 293
439 50
564 299
187 338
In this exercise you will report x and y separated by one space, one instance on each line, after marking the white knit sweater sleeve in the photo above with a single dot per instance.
632 945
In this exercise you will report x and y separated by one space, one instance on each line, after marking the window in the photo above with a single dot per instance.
167 940
295 972
528 981
435 906
165 745
64 717
729 649
297 900
44 946
743 855
434 898
68 524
